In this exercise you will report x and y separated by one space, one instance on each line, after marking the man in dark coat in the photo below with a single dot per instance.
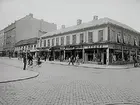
24 61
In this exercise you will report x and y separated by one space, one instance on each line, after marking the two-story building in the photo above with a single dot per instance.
28 45
102 41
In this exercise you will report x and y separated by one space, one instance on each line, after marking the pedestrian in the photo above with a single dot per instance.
45 57
69 60
38 60
24 61
77 59
135 61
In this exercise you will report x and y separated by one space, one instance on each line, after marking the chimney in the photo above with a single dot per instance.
63 26
95 17
79 21
31 15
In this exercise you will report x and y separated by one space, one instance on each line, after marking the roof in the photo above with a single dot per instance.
90 24
27 41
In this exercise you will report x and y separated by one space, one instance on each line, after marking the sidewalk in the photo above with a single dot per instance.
12 70
96 66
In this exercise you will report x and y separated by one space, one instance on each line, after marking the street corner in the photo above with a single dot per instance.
15 74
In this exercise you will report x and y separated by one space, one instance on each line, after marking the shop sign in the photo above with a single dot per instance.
117 47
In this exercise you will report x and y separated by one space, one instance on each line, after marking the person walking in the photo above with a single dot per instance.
77 59
135 61
24 61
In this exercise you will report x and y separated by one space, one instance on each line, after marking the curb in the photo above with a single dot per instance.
14 80
87 66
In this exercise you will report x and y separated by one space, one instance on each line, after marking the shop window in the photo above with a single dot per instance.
44 43
90 37
48 42
57 41
53 42
81 38
67 40
62 40
100 35
73 39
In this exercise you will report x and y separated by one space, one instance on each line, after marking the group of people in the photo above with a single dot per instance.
29 58
73 60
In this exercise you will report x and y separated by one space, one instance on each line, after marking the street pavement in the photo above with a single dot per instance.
71 85
13 71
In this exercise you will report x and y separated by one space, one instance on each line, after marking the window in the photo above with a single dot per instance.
90 37
44 43
67 40
112 36
48 42
34 46
57 41
135 42
81 38
53 42
129 39
119 37
74 39
62 40
40 42
100 35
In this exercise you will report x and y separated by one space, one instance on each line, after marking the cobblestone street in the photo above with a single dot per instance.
69 85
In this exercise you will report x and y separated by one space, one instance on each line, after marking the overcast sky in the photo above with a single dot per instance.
68 11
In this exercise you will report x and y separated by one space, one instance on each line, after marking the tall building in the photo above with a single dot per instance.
25 28
1 42
101 41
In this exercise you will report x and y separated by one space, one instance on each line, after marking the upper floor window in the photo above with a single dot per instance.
135 42
74 39
52 41
112 36
48 42
34 46
67 40
90 37
40 42
57 41
129 39
119 37
62 40
100 35
81 38
44 43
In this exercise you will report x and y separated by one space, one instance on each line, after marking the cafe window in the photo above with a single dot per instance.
48 42
62 40
90 37
57 41
67 40
81 38
53 42
74 39
100 35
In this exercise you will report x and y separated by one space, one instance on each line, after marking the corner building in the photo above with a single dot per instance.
100 41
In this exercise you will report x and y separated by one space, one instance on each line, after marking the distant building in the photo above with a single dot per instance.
25 28
101 41
27 45
1 42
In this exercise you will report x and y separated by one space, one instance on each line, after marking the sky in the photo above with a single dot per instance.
66 12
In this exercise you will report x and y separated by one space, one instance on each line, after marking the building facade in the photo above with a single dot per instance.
10 39
102 41
25 28
1 43
24 46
